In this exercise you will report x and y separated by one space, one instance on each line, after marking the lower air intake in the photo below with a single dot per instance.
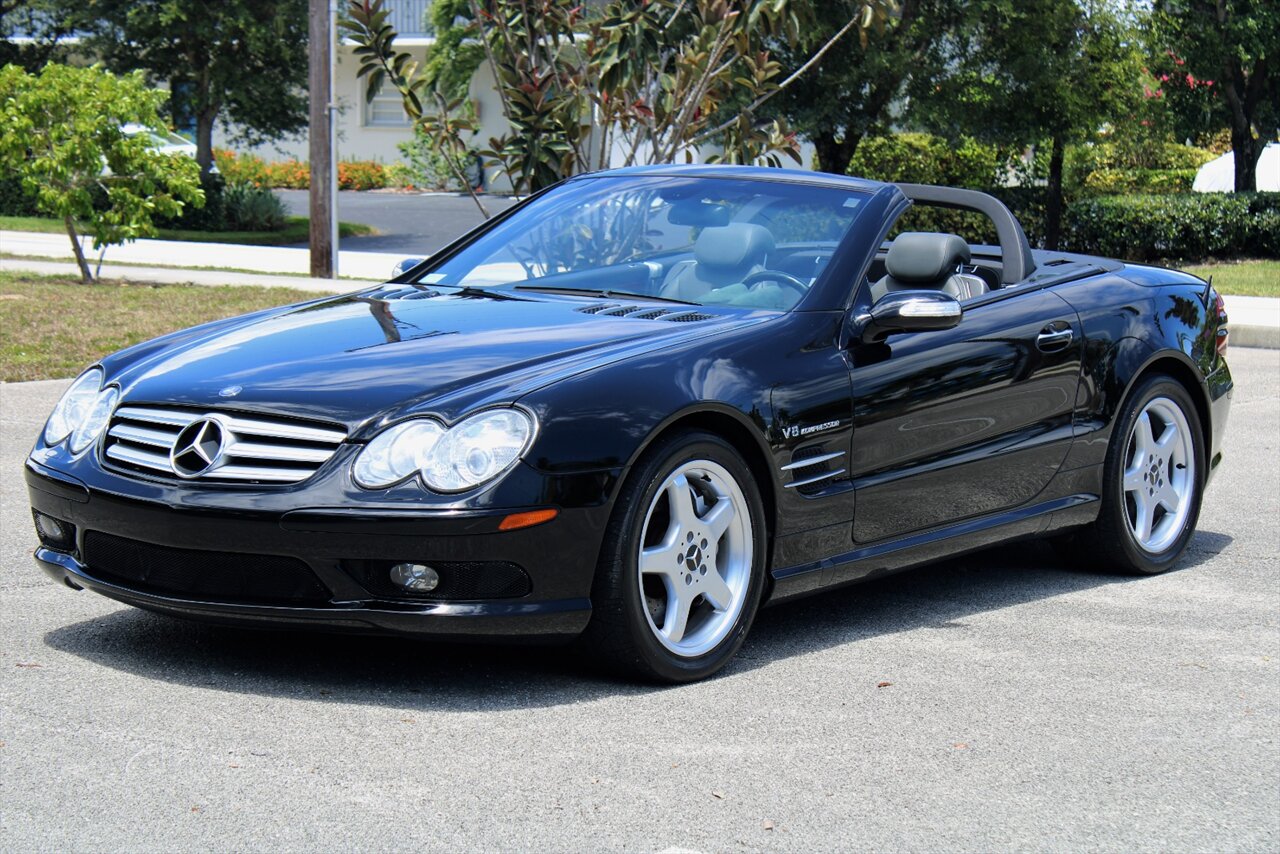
202 575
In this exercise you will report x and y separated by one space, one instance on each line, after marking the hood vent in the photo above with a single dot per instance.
645 312
387 293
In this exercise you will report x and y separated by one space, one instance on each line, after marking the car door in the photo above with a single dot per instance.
962 422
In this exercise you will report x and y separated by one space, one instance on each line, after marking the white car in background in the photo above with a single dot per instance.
166 143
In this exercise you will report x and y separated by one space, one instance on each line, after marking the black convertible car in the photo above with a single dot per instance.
632 409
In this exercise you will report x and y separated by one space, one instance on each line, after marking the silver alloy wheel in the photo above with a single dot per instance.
1159 475
696 552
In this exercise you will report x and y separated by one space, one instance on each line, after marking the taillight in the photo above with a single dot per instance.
1223 333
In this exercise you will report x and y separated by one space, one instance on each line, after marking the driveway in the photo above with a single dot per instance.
1002 702
411 224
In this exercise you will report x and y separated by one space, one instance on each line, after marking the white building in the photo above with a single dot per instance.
371 128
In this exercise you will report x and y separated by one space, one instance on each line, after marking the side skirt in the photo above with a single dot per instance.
914 550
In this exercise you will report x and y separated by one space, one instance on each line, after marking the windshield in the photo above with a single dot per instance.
705 241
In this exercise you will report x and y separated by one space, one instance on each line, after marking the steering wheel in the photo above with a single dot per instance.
777 276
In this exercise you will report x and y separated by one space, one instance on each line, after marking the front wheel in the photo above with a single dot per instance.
1153 481
682 566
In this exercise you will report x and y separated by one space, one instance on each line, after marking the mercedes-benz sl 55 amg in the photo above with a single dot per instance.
634 408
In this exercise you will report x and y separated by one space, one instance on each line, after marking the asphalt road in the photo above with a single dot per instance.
411 223
1031 706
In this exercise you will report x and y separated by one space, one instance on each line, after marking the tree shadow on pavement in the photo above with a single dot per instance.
427 675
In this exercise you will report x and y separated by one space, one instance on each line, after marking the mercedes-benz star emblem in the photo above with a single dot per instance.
231 391
198 448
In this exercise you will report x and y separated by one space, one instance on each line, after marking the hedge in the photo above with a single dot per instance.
1187 227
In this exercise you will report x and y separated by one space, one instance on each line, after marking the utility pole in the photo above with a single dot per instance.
320 82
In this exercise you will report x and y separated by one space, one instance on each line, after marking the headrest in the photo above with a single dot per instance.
738 244
917 256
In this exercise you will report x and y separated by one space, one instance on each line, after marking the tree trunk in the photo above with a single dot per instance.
86 275
204 139
1243 94
323 250
1053 205
1245 152
834 155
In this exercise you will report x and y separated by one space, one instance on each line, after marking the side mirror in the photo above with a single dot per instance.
404 265
909 311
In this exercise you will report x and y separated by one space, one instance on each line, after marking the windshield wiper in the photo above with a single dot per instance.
604 292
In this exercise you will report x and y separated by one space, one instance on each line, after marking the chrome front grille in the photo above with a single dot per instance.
249 448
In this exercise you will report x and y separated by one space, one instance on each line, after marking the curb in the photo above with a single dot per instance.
1265 337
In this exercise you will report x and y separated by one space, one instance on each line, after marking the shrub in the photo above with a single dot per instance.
287 175
424 166
361 175
1083 159
294 174
1108 168
13 200
1150 181
921 158
241 168
250 208
1188 226
210 217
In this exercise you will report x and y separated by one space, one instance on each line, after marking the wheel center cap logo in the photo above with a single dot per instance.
198 448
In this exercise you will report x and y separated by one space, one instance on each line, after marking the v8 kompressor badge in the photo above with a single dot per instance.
796 431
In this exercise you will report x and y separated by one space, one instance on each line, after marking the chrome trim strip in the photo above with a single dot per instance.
139 457
143 436
827 475
235 472
285 453
240 424
813 461
156 415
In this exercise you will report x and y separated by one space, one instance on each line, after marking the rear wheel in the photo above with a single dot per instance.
682 567
1153 481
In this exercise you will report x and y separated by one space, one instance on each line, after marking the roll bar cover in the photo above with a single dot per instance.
1015 249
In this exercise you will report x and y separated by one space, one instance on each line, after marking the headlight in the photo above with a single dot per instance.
477 449
94 423
396 454
472 452
73 407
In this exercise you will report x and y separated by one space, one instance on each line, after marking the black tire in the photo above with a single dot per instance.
1109 542
619 636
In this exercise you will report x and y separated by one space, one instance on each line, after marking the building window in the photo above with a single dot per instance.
386 109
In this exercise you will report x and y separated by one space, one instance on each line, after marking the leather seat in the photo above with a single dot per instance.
920 260
723 256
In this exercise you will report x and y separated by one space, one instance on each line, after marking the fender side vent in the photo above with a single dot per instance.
812 468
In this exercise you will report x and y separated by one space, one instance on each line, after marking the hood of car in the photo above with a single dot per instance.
378 354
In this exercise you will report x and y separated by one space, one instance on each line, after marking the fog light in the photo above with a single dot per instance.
54 533
415 576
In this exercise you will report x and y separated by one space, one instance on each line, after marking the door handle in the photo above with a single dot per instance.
1051 340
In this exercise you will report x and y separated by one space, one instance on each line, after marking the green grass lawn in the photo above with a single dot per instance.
53 326
296 230
1242 278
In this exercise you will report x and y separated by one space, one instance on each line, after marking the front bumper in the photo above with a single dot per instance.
559 557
